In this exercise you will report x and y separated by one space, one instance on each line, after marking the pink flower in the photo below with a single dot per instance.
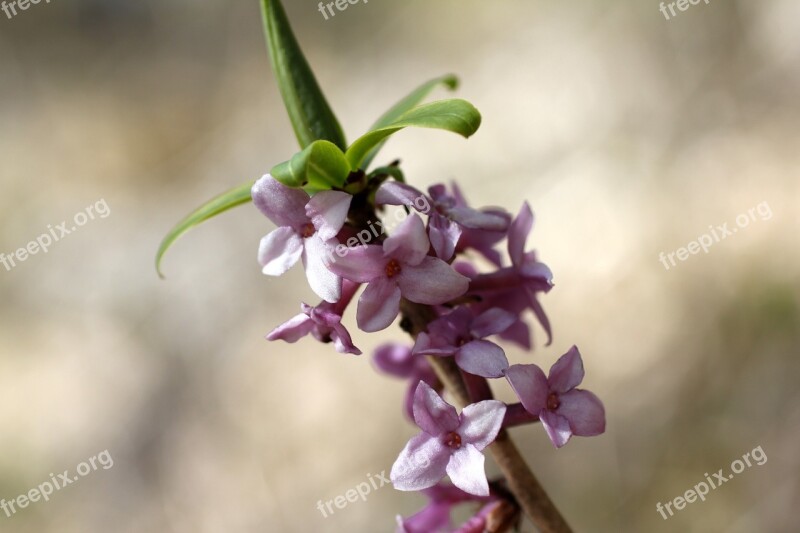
324 322
307 228
449 215
563 409
435 516
449 444
399 268
461 334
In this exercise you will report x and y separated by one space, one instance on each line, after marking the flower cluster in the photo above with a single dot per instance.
432 262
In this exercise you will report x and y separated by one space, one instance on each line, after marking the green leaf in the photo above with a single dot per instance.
320 166
309 112
458 116
414 98
227 200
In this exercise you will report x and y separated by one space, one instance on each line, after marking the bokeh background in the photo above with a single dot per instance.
628 134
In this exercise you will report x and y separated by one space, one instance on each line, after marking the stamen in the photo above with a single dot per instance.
393 268
308 230
553 402
452 440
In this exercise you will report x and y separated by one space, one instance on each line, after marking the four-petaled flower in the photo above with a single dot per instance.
307 228
401 267
563 410
449 444
324 322
462 334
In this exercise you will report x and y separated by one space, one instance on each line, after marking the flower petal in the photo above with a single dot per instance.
444 235
556 426
328 211
394 359
530 384
361 264
466 471
379 305
482 358
395 193
584 411
409 243
293 329
431 413
474 219
421 464
518 234
342 340
492 322
567 373
323 282
480 422
426 345
432 282
281 204
279 251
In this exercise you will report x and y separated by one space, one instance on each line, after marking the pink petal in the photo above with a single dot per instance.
519 333
323 282
567 373
395 193
530 384
482 358
361 264
492 322
293 329
328 212
379 305
474 219
394 359
518 234
480 423
556 426
584 411
421 464
432 282
342 340
279 251
431 413
541 316
425 345
444 235
409 243
281 204
466 471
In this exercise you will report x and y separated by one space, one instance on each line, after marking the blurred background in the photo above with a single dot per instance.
629 134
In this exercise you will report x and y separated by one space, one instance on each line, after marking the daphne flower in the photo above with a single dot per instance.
399 268
519 284
324 322
449 444
449 215
307 228
435 516
461 334
563 409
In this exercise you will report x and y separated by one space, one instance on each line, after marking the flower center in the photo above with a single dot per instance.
392 268
452 440
308 230
553 402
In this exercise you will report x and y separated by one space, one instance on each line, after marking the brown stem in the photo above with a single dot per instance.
527 490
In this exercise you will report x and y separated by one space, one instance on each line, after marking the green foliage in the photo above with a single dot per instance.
320 166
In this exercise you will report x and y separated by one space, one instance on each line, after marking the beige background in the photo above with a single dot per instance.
629 135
